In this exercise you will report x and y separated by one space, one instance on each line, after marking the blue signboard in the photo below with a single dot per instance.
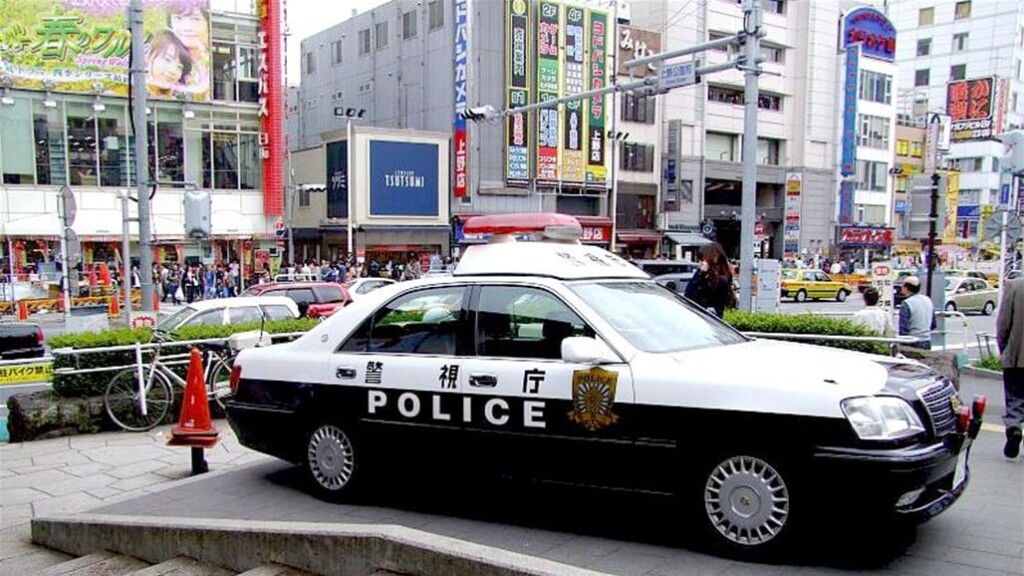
968 212
901 206
1004 195
849 158
846 202
337 179
872 30
403 179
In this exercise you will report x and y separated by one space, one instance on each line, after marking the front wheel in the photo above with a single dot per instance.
747 504
124 403
331 463
988 309
950 306
842 295
801 296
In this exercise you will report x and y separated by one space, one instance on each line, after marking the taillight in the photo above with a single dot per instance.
963 418
39 336
236 375
978 406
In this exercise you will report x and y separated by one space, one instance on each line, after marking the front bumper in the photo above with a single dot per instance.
915 483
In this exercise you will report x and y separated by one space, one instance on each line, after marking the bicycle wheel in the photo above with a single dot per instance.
218 384
122 401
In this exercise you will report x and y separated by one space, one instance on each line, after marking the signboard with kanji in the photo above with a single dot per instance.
971 105
882 280
865 237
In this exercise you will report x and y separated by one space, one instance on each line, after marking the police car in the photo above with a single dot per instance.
560 362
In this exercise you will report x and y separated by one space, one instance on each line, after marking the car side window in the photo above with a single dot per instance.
209 318
330 294
277 312
244 315
822 277
517 322
300 295
422 322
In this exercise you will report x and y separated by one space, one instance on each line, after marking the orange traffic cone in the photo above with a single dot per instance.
22 310
195 407
156 302
114 307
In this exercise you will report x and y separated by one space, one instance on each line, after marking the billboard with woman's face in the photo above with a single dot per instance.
84 46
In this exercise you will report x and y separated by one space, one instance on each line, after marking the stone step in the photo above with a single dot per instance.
18 555
182 566
275 570
101 563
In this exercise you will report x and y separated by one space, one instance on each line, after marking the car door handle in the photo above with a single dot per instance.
345 373
483 380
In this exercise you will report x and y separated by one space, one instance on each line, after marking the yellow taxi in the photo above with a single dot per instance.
801 285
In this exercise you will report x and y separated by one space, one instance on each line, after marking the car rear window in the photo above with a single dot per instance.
330 294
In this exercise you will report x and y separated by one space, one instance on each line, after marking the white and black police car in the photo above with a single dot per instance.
556 361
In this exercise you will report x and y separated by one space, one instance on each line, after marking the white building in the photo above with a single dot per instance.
949 40
796 122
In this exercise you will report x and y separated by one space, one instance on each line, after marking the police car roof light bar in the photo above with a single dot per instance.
561 227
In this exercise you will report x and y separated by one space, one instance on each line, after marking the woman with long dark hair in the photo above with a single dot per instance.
711 286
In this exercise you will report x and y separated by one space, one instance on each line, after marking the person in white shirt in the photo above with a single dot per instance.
874 317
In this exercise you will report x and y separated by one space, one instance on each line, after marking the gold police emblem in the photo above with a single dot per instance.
593 396
955 403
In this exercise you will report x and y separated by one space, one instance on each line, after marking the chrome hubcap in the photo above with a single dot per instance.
331 457
746 500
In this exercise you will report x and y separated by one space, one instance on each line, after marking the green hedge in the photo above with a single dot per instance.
94 384
989 363
807 324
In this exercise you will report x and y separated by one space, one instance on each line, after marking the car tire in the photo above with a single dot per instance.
950 306
842 295
331 464
988 309
801 296
747 506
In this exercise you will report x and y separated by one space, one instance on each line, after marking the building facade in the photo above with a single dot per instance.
204 132
908 162
963 59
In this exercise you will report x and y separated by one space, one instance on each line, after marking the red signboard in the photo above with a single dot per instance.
461 172
271 113
970 105
596 234
865 236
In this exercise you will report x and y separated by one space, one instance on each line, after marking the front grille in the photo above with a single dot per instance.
936 399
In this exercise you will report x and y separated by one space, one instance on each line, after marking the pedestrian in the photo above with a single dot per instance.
174 284
711 285
1010 335
917 313
874 317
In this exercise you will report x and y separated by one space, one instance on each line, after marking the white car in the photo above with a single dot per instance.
362 286
562 362
238 310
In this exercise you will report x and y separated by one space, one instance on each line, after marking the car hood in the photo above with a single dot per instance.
776 376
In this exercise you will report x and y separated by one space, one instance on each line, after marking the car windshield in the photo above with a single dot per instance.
652 318
171 322
789 274
951 284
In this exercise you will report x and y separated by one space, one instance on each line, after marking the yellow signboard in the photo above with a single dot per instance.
26 373
952 202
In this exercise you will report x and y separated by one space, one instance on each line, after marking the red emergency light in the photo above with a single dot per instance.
549 225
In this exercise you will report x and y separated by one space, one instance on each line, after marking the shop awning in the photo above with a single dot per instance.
639 237
687 238
230 223
37 226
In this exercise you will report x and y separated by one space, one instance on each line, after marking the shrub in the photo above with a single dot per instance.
807 324
95 383
989 363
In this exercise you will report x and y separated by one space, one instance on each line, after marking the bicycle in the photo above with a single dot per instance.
138 399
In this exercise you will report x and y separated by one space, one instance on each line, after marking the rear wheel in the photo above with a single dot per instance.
219 383
801 296
123 402
747 504
842 295
331 462
988 309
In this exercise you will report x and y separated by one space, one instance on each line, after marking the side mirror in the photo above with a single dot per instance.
583 350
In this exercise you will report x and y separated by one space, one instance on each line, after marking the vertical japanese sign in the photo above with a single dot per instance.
549 18
572 116
882 280
846 190
971 107
596 70
952 204
336 156
849 141
271 113
517 83
791 232
461 65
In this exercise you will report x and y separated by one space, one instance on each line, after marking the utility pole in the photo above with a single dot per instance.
138 85
933 233
748 207
288 208
126 263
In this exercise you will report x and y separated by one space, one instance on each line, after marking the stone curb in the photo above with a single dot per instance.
982 373
328 549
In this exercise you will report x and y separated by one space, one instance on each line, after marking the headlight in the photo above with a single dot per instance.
882 418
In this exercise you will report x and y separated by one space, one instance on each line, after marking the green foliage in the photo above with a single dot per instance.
989 363
94 384
807 324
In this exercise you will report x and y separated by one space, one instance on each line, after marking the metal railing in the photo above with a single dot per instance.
944 313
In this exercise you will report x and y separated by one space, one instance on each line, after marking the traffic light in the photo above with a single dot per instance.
479 113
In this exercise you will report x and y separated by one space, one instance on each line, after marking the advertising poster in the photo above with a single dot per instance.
83 46
269 69
791 233
461 20
952 203
596 72
403 179
573 82
517 83
971 104
336 155
849 142
549 15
